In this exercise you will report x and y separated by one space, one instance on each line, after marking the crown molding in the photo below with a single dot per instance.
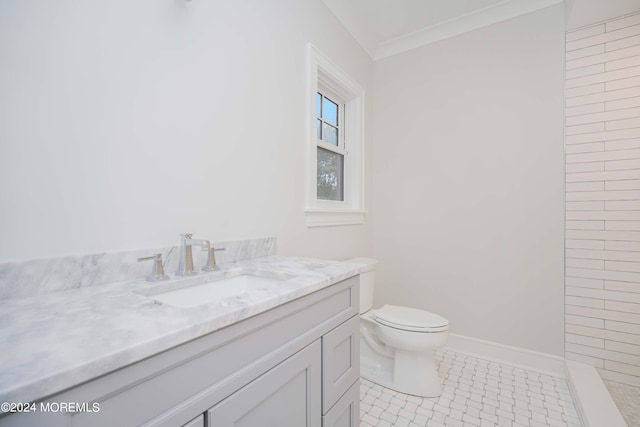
472 21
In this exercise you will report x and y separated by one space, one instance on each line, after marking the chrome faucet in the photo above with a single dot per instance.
186 255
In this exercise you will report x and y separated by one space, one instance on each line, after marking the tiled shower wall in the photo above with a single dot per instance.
602 125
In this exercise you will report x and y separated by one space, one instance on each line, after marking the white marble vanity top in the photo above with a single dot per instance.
54 341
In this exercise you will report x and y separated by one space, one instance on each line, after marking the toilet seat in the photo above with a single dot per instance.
410 319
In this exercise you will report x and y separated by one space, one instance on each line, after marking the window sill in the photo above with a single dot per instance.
332 217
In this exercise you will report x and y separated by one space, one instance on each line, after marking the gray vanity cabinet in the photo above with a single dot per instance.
294 365
286 396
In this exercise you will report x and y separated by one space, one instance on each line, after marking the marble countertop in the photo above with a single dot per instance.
55 341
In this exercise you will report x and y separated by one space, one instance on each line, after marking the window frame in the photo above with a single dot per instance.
328 79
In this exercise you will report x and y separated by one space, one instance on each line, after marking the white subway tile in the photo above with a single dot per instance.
617 104
587 71
585 167
584 312
584 215
603 195
591 361
585 90
603 176
621 246
622 83
584 263
624 205
584 225
579 196
630 297
628 287
623 368
629 328
587 51
622 164
627 184
585 206
583 340
603 136
603 155
586 109
622 216
622 266
623 225
580 129
627 307
620 276
622 124
585 148
622 144
609 76
621 316
603 58
577 291
595 118
630 61
622 347
603 97
584 302
622 43
603 215
586 350
605 255
621 23
585 330
585 186
586 32
584 283
584 321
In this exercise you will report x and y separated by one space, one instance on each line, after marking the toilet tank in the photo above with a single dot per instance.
367 281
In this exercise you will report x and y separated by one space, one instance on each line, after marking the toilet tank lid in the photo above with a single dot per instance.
368 264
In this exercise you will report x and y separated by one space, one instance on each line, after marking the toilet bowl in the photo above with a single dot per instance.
397 343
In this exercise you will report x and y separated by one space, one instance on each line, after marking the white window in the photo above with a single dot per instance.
335 145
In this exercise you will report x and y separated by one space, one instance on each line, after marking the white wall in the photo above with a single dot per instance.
123 124
468 160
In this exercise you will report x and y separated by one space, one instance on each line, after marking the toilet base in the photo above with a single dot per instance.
407 372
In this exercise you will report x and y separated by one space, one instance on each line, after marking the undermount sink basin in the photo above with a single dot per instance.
220 289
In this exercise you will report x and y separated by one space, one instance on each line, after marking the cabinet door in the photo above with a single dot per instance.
286 396
340 361
346 411
196 422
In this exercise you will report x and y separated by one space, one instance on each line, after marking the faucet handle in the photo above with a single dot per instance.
211 259
157 270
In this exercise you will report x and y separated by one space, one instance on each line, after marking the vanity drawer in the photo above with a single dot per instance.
196 422
340 361
346 411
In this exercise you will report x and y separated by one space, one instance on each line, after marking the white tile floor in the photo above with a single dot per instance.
476 392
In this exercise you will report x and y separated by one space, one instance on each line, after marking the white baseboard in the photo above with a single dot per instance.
592 399
521 357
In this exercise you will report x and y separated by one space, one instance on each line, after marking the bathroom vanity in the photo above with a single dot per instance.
294 363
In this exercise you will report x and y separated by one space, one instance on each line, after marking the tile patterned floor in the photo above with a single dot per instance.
627 398
476 392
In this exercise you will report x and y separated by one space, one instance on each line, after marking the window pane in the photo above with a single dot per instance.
330 111
318 105
319 129
330 175
330 134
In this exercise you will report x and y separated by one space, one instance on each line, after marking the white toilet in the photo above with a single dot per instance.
397 343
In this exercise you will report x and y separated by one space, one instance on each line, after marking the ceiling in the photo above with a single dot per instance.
388 27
